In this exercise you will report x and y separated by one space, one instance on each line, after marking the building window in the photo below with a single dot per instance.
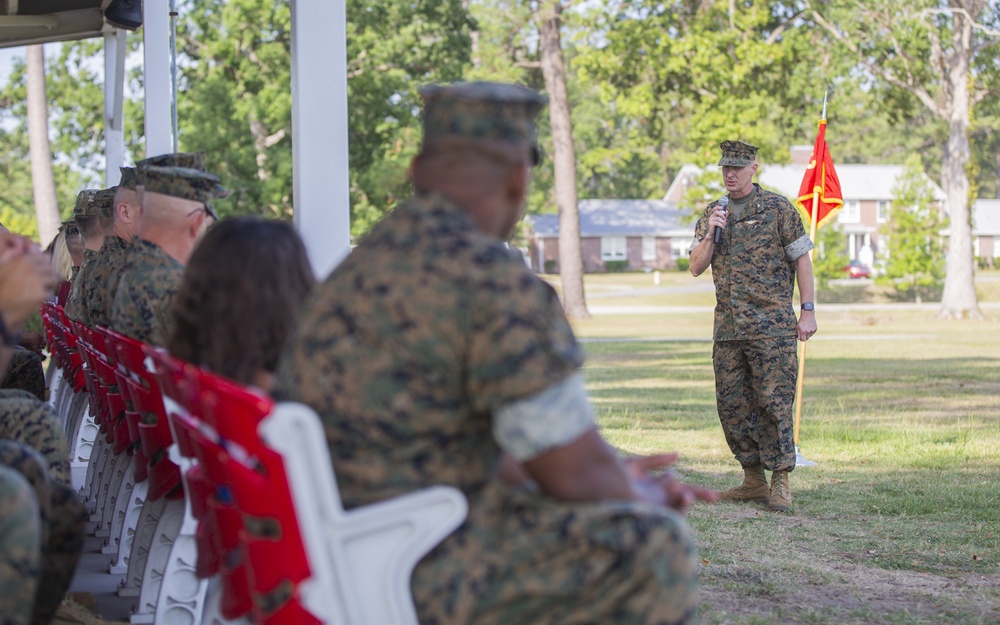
649 248
883 211
613 248
679 248
851 213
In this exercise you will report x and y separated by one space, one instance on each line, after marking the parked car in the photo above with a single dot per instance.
857 269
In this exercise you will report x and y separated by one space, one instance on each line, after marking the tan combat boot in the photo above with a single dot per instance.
754 486
781 492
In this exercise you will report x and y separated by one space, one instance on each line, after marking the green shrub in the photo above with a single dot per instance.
683 264
615 266
550 265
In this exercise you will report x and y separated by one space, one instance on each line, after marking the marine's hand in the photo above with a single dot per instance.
807 325
664 488
26 281
718 218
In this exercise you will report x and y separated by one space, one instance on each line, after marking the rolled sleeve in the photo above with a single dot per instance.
552 418
798 247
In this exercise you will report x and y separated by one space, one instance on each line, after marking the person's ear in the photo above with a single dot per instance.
124 212
518 180
196 223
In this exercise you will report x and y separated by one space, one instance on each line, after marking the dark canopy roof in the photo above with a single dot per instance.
24 22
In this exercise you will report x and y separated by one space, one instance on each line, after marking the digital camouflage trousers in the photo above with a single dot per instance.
755 395
524 558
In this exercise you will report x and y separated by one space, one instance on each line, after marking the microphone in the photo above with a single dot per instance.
717 237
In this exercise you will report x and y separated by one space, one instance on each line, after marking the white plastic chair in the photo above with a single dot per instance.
361 559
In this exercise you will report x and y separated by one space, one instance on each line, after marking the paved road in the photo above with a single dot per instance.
676 310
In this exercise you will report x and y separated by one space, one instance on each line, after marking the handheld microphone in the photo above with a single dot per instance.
717 236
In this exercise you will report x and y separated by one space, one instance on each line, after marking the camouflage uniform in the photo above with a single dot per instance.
86 205
149 280
25 419
47 554
74 303
20 547
26 373
150 277
99 292
406 352
755 333
94 287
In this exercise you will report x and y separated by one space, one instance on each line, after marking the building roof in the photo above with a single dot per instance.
857 182
619 218
986 218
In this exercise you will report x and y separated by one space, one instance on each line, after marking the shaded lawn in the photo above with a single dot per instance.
900 521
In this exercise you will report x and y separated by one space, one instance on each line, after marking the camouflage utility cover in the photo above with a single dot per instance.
190 160
128 179
105 200
149 280
181 182
754 268
737 153
86 203
482 110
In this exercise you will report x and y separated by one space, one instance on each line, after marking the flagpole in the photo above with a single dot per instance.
800 378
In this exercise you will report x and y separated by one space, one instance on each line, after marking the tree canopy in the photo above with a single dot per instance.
652 85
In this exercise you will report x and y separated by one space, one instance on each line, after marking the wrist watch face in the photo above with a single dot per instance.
808 306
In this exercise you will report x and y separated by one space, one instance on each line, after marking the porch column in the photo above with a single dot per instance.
156 61
114 95
319 130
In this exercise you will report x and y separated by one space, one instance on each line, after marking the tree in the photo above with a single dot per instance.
943 56
46 206
912 233
236 92
693 74
830 256
18 206
549 17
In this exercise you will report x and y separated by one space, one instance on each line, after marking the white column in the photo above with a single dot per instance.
156 63
319 130
114 96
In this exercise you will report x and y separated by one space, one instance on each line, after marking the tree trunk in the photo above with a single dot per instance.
959 298
564 158
998 176
46 205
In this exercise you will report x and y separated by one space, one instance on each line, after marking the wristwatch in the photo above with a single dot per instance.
808 306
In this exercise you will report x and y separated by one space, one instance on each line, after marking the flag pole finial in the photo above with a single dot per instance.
825 96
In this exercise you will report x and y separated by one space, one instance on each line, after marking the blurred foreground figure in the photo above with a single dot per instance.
434 356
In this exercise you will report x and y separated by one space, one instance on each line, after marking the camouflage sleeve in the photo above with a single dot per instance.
520 341
798 247
793 234
558 415
701 228
20 555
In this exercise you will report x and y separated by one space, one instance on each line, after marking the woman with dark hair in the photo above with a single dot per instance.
239 299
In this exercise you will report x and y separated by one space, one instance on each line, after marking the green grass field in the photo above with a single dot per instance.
899 523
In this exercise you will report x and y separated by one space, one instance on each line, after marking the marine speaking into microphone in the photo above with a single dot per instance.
717 235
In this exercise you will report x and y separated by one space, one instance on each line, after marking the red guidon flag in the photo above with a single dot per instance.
820 183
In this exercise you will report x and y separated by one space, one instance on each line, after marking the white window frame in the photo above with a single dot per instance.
851 213
649 248
614 248
882 208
